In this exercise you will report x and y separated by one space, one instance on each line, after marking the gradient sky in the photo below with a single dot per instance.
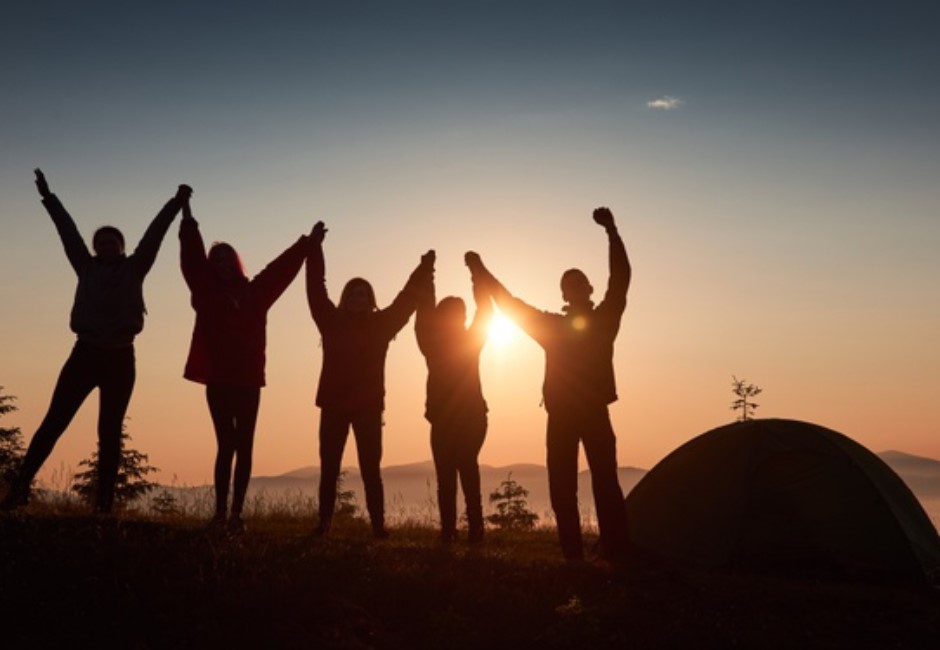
773 168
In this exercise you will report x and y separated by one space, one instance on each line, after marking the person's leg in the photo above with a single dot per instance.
368 430
470 443
444 454
116 384
221 409
600 447
76 380
562 439
246 417
334 429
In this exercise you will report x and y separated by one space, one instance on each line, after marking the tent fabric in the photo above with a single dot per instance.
782 493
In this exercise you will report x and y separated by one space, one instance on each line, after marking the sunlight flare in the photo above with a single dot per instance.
502 330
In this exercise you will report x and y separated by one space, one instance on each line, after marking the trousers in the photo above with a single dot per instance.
566 430
113 372
234 411
367 429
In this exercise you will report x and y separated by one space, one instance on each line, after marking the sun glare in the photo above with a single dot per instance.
502 330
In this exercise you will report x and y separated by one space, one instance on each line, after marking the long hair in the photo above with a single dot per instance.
219 247
352 284
451 311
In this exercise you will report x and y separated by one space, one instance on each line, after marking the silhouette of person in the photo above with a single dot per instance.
579 385
351 392
107 314
455 406
227 352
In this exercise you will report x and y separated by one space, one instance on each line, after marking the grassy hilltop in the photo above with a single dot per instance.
70 580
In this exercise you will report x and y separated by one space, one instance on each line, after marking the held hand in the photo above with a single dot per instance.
604 217
184 193
473 262
318 233
41 183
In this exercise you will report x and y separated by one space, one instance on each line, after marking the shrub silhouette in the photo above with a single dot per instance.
512 509
131 484
11 440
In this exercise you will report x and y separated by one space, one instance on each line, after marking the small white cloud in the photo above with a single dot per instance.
665 103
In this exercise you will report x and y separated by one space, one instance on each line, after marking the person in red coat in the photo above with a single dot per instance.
227 352
351 392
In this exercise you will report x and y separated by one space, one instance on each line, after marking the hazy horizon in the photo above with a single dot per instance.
772 169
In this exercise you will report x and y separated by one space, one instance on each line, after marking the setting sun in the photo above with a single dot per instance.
502 330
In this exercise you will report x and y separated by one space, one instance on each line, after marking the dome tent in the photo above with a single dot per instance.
783 494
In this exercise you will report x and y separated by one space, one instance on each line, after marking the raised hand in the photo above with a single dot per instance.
604 217
41 183
473 261
318 233
429 258
184 193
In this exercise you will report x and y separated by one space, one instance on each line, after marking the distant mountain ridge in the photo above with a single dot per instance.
921 474
411 488
414 485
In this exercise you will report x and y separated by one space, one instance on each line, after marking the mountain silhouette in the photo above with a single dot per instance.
921 474
412 488
409 488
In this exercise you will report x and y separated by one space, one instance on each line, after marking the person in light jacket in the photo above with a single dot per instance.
107 314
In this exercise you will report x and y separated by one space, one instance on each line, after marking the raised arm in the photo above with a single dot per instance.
487 282
277 276
424 314
192 249
317 299
620 270
75 248
146 252
479 327
527 317
397 314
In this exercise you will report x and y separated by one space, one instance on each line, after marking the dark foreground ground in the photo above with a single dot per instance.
74 582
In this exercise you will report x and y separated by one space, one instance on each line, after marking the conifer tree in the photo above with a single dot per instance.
512 508
131 484
11 440
744 393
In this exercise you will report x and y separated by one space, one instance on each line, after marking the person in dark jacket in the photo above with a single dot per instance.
351 391
227 352
107 314
455 406
579 385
